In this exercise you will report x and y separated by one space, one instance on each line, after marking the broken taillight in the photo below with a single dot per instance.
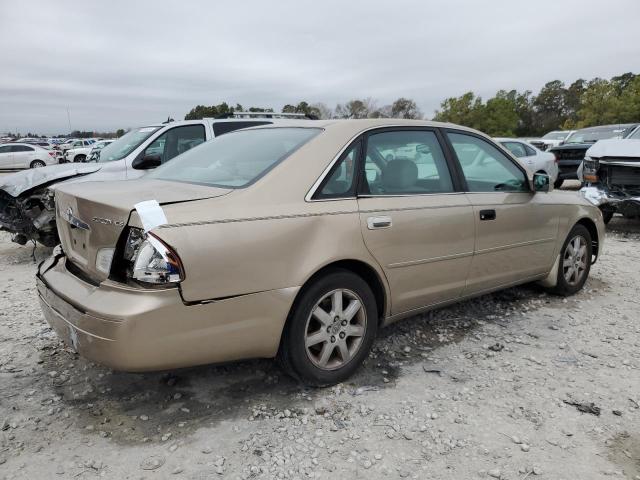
149 261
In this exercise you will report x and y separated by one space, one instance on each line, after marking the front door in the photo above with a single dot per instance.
414 220
515 228
6 157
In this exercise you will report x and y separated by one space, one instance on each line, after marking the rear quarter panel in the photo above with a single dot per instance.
246 250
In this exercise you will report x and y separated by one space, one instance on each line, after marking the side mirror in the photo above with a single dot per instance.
541 182
147 162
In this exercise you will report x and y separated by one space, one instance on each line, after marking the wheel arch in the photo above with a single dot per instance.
593 231
365 271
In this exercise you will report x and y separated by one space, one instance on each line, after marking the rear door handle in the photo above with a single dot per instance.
487 214
374 223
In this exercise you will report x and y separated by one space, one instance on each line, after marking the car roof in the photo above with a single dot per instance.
608 127
356 126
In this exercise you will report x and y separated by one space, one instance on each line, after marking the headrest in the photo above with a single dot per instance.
399 174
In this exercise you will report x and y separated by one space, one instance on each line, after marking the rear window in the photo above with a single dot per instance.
236 159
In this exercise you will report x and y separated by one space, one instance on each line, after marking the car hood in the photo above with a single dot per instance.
92 215
615 148
20 182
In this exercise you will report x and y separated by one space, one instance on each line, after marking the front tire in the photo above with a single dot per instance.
330 329
575 262
37 164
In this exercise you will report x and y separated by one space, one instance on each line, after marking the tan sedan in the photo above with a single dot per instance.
300 242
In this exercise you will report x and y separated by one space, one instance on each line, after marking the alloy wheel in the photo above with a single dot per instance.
335 329
574 262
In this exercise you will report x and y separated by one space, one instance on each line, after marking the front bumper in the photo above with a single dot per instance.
135 329
609 201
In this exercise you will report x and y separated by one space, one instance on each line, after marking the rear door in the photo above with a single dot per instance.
6 157
414 219
516 228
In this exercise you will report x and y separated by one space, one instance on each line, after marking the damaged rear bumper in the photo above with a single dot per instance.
135 329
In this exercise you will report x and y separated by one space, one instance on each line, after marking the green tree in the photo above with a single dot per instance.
549 107
120 132
465 110
405 108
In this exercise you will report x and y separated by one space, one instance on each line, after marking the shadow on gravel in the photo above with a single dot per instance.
134 408
619 224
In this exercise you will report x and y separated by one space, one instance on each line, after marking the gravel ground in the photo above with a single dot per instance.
481 390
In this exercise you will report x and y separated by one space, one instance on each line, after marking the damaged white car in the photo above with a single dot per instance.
611 172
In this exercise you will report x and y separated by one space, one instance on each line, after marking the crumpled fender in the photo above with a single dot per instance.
20 182
597 196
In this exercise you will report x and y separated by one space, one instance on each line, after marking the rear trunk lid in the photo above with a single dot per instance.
92 215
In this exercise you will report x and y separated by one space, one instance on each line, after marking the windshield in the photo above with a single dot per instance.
589 135
125 144
635 135
235 159
556 135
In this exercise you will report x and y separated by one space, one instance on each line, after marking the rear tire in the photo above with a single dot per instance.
79 158
37 164
558 183
575 262
330 329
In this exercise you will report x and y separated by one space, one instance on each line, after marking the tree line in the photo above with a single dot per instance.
583 103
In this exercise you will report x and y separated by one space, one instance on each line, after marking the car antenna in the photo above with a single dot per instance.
169 120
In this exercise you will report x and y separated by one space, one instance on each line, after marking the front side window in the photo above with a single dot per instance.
404 162
518 149
236 159
126 144
176 141
485 168
5 149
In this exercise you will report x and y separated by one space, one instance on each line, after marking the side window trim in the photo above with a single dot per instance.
480 137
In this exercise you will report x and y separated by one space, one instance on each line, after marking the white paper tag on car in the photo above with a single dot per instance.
151 214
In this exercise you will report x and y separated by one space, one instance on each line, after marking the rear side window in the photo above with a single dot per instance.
406 162
237 159
341 182
485 168
22 148
220 128
5 149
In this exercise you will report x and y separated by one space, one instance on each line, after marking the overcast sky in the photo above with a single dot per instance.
126 63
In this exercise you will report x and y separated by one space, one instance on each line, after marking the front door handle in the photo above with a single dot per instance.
374 223
487 214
